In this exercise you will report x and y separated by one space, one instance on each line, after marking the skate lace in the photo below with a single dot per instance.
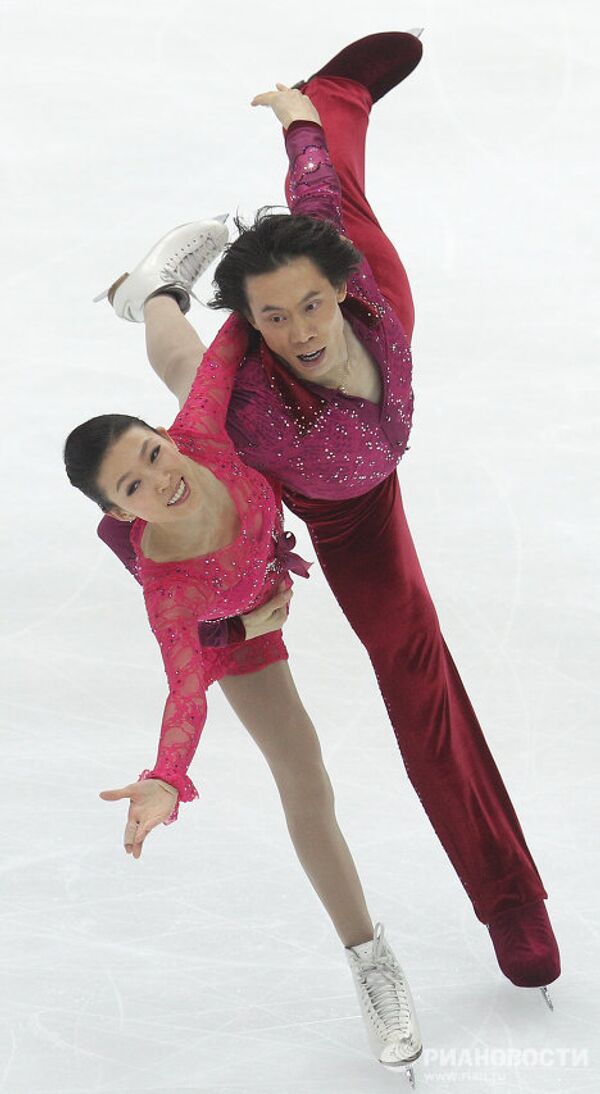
186 265
384 983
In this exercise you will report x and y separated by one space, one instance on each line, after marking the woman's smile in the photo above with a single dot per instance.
142 472
181 494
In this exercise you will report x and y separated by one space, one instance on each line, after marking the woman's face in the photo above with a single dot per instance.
296 309
142 475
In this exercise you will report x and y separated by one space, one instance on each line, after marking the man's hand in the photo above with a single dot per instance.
270 616
151 802
289 105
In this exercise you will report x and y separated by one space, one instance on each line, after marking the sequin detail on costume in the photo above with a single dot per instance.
230 581
338 446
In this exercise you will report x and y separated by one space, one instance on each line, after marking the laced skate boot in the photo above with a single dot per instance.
174 263
379 61
525 946
386 1003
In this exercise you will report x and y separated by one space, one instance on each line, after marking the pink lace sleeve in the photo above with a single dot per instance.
174 612
177 603
205 408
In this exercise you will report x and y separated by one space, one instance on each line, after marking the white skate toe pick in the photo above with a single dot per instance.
177 261
386 1003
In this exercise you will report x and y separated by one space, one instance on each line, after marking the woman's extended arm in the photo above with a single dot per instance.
155 798
173 615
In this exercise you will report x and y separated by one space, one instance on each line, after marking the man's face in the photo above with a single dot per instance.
296 309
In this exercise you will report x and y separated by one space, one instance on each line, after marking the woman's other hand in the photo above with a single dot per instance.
270 616
289 105
151 802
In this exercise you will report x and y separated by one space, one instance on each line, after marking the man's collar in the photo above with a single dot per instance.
304 405
360 309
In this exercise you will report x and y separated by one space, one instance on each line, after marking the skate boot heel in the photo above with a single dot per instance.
109 293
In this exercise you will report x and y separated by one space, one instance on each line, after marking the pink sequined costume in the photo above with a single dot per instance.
336 458
232 580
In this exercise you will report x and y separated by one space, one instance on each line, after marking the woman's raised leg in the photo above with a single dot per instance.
268 705
173 346
157 291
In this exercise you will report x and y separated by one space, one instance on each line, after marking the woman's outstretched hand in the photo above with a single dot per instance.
289 105
151 802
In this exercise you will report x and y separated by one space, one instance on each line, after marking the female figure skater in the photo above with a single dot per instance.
323 401
209 543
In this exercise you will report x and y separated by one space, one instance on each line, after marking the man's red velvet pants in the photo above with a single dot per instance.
367 554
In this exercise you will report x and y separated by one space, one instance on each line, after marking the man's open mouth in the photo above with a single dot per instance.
311 358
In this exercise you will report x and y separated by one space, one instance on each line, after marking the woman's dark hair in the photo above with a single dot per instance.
272 241
86 447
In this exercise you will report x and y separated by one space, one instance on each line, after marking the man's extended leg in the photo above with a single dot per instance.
344 107
367 554
368 557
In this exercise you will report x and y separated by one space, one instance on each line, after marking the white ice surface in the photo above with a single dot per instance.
209 964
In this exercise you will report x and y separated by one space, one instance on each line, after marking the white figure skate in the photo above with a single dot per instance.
386 1003
176 261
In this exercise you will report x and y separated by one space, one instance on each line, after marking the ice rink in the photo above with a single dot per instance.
209 964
